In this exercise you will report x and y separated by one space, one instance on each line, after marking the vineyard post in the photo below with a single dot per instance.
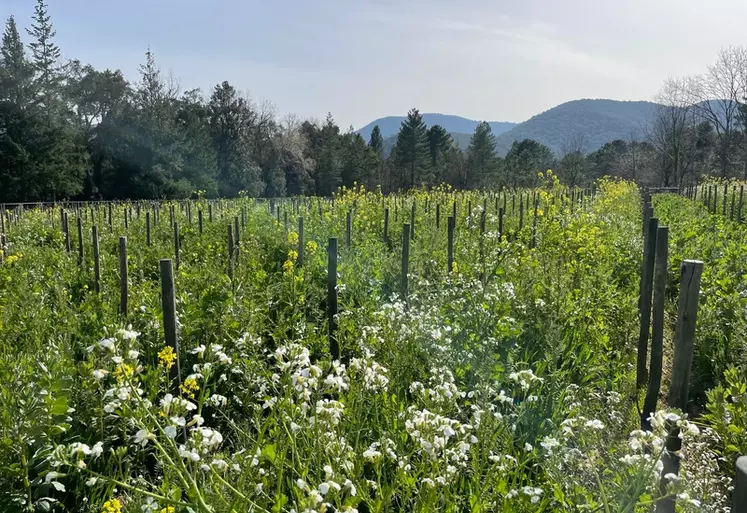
334 347
168 303
171 216
126 219
521 212
199 221
243 216
500 222
236 235
229 251
189 213
405 260
62 219
739 207
285 220
684 346
726 197
210 212
733 199
412 221
657 328
96 260
277 213
739 497
147 229
177 258
80 240
347 230
715 199
123 284
454 211
67 231
301 244
450 246
644 301
386 225
111 226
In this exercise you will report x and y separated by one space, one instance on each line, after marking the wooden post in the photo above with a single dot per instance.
347 230
67 232
500 222
123 283
301 243
80 240
438 216
450 246
644 301
739 497
739 207
412 221
236 235
405 260
726 198
684 347
733 199
657 329
148 239
126 218
168 303
171 216
111 224
229 251
454 211
210 212
386 226
96 260
199 221
334 347
177 260
189 213
285 220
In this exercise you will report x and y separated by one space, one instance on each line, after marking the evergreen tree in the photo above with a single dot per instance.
439 144
45 55
482 160
328 165
16 72
376 142
525 160
411 150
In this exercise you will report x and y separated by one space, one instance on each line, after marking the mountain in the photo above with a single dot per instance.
390 125
598 121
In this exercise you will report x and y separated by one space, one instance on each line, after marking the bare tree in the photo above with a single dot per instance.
572 166
716 97
668 131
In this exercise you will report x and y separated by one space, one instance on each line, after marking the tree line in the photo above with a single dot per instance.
70 131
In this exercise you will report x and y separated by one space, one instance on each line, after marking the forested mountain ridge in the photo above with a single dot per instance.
390 125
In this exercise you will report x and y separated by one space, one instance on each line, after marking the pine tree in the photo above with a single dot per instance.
45 54
328 164
16 72
376 142
482 161
411 150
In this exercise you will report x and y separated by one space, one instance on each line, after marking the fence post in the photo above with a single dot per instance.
229 251
739 497
236 235
210 212
67 232
123 271
644 301
405 259
168 303
450 246
684 346
334 347
199 221
96 260
726 198
500 223
177 259
79 222
657 329
301 243
386 225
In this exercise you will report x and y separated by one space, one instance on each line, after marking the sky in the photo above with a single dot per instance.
497 60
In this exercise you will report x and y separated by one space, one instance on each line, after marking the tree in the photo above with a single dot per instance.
482 160
572 165
376 142
328 174
411 150
45 55
16 72
525 160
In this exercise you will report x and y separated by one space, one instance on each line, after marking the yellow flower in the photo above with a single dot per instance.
112 506
292 238
168 509
311 246
454 267
539 212
292 255
189 387
123 372
288 267
12 259
167 357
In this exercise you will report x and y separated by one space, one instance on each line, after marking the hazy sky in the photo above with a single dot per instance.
483 59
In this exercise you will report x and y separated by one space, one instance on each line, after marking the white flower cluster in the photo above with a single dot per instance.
439 436
373 376
442 390
525 379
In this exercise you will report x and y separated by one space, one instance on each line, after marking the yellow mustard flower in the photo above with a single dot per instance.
293 255
168 509
311 246
123 372
292 238
112 506
189 387
454 267
167 357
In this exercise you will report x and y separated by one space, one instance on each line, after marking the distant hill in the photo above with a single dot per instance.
390 125
599 121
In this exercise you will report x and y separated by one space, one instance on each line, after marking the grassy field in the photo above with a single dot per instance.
507 384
